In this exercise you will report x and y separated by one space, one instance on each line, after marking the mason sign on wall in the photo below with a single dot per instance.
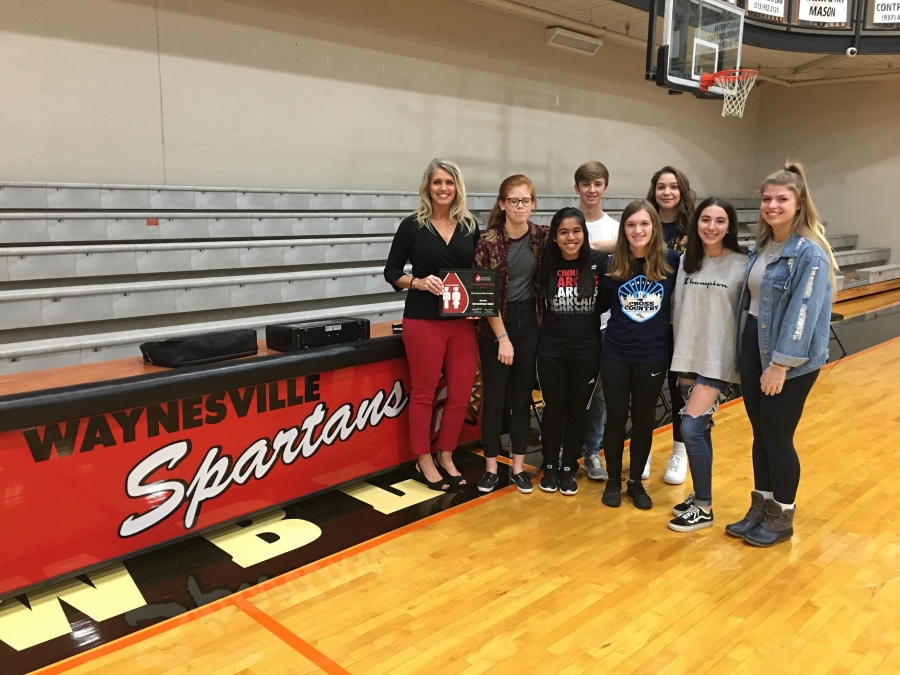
823 11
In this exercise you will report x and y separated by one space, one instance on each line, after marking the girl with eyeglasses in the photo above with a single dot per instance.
508 343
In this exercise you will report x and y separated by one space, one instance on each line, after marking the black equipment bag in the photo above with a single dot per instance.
199 349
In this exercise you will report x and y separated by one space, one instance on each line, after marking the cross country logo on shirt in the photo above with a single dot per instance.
641 298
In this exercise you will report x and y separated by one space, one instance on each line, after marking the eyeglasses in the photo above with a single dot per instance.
512 201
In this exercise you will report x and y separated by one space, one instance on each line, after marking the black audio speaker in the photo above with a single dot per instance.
290 337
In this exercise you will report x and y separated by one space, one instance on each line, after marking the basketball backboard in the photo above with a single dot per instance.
699 37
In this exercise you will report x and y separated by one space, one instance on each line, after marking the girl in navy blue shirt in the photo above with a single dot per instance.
672 197
636 287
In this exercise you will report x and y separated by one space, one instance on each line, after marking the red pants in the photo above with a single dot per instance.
433 346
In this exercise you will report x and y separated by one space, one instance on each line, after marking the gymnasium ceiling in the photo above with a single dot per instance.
775 65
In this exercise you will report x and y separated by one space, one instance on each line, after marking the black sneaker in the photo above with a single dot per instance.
638 495
488 482
567 483
522 481
550 480
692 519
612 493
684 506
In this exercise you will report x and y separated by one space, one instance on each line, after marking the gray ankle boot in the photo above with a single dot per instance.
778 526
755 516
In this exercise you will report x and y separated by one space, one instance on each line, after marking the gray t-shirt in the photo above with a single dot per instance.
703 311
523 267
754 281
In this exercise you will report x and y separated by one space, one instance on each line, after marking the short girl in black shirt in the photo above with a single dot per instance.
636 287
569 351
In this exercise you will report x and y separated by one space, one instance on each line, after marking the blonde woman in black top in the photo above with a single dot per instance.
442 234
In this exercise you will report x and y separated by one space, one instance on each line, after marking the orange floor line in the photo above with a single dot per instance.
132 639
286 635
371 543
191 615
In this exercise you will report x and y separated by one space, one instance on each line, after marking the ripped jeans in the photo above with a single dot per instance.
698 437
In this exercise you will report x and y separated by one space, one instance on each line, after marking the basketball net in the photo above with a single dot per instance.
735 86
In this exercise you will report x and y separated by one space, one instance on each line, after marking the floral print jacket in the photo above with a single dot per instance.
492 252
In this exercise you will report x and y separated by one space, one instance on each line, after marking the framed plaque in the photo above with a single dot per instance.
469 293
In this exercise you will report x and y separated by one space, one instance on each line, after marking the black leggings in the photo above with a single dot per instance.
675 397
639 384
567 383
776 466
518 380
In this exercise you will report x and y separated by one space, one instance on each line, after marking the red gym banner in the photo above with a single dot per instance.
89 490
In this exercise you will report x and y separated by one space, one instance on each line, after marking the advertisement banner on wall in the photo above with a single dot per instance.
887 12
823 11
95 489
774 8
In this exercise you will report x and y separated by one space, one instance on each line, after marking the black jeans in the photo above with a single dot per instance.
567 383
776 466
509 386
675 396
639 384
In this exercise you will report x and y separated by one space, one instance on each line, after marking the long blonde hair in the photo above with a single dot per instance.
458 210
806 222
624 265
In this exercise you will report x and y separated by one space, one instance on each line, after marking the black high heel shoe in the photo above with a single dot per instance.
456 482
442 485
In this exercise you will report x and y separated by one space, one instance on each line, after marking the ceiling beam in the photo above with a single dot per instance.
819 63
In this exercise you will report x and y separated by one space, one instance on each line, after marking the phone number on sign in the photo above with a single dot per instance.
766 8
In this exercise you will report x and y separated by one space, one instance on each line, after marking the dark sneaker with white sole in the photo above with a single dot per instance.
488 482
567 483
522 481
684 506
549 481
692 519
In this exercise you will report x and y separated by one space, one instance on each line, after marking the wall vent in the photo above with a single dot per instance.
576 42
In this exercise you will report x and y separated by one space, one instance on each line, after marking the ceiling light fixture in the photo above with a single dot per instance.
576 42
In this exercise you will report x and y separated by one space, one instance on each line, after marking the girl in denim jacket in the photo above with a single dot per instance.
785 313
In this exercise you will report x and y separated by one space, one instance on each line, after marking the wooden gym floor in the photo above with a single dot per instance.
563 585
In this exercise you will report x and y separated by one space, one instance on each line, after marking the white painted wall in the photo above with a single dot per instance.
848 137
337 94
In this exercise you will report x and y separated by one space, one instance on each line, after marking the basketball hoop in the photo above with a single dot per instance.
735 85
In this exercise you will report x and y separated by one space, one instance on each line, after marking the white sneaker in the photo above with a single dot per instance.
676 473
646 474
